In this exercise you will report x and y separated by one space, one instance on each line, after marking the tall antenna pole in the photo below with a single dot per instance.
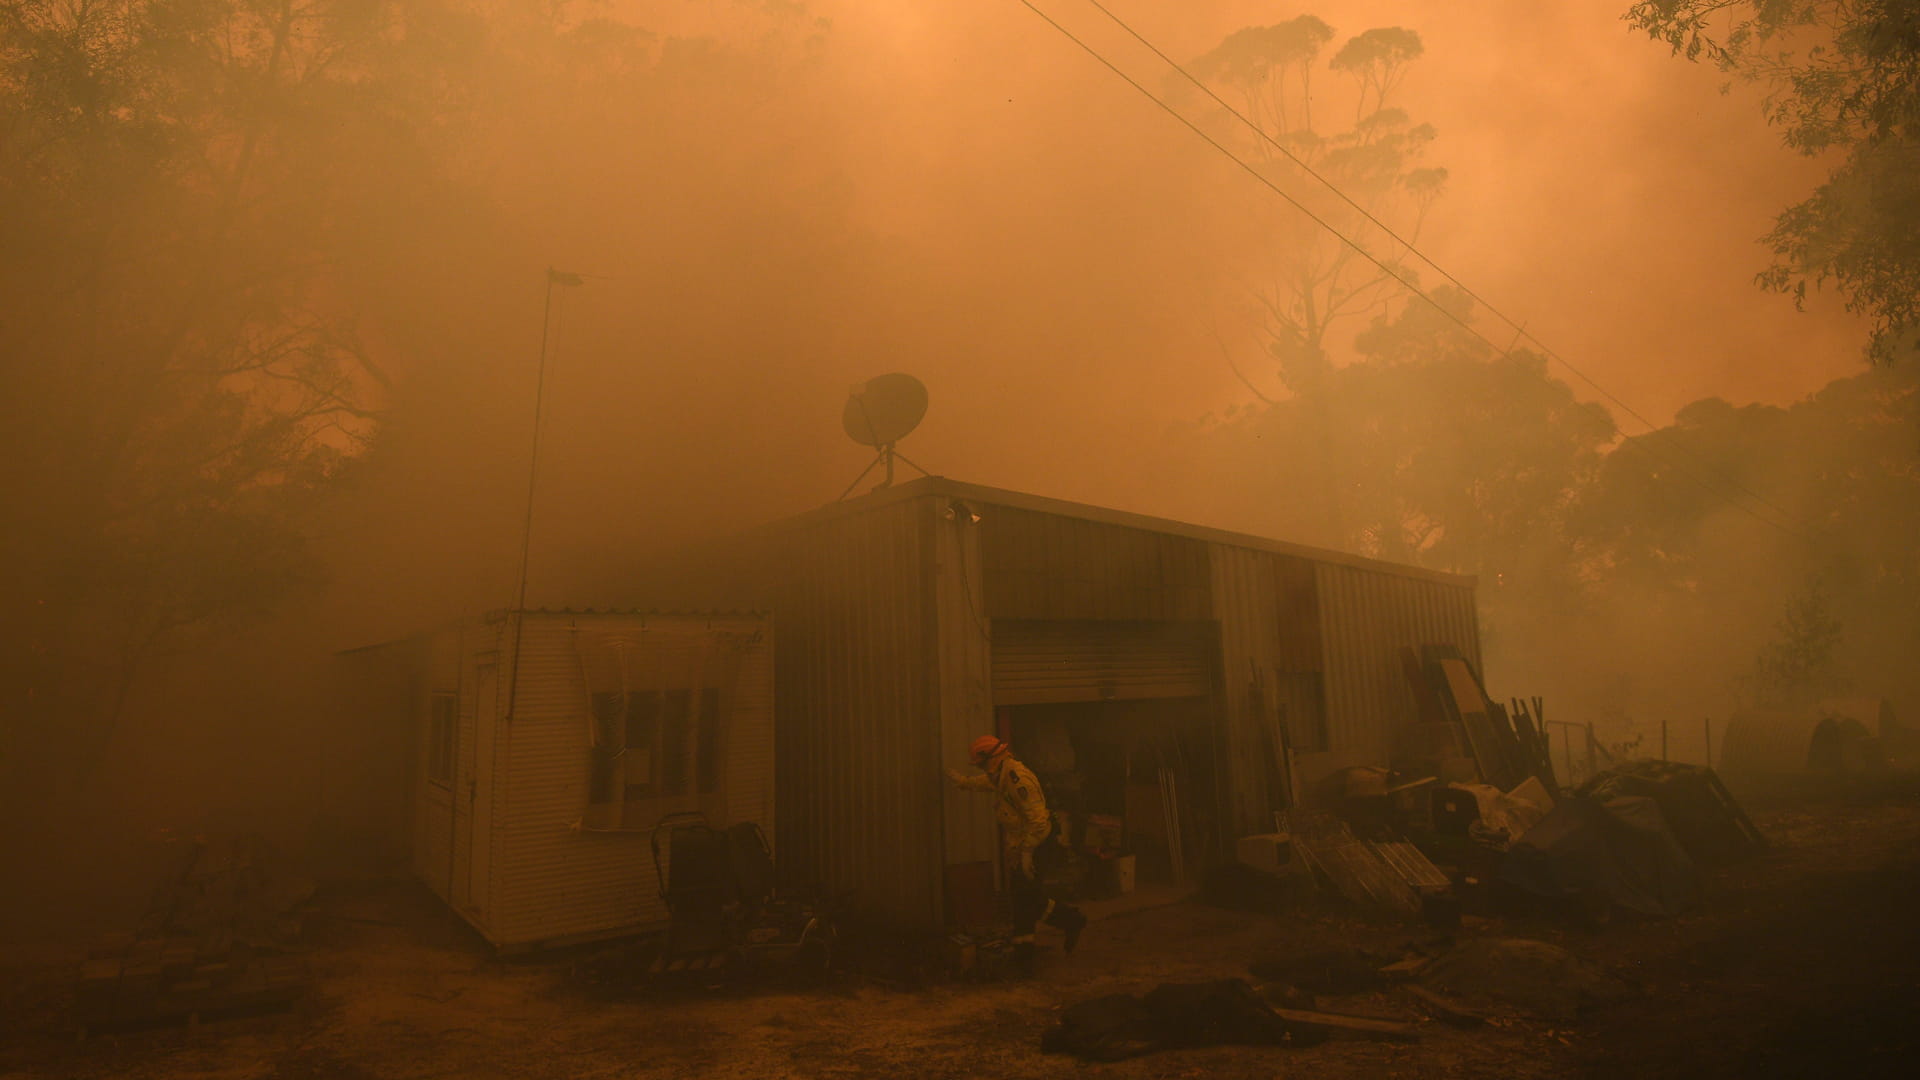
554 277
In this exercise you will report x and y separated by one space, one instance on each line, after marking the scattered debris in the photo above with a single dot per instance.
1446 1009
1387 874
1335 971
1706 820
1176 1015
1498 817
1366 1027
215 941
232 887
1283 996
172 979
1362 876
1407 968
1413 867
1619 853
1521 977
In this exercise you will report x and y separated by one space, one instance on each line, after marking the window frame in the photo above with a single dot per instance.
443 745
687 723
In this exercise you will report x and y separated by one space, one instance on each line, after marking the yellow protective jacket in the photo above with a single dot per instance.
1019 802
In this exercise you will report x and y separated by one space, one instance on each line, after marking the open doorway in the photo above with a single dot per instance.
1131 785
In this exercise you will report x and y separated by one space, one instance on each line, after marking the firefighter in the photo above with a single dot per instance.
1024 825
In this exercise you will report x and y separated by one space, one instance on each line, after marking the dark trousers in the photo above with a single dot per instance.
1028 899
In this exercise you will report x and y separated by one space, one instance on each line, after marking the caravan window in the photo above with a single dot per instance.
708 740
675 741
641 727
652 744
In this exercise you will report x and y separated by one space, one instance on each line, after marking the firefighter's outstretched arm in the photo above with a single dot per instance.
979 782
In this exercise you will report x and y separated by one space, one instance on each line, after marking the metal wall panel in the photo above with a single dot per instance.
1367 616
964 644
1050 661
857 711
1245 599
551 878
1051 566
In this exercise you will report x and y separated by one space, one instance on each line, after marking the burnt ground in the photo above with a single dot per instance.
1799 964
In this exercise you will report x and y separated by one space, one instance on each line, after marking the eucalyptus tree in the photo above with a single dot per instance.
1842 79
1349 163
1360 140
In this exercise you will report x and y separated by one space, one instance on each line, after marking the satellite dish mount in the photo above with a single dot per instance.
879 413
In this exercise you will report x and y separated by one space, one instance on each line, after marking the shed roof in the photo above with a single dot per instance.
500 614
992 496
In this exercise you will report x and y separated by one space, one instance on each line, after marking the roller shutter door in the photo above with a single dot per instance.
1049 661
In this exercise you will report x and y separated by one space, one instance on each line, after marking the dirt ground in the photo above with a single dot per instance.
1800 963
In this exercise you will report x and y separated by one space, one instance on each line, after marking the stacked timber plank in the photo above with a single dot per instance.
1462 734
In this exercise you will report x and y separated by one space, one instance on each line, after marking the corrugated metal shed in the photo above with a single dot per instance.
965 690
1246 598
858 713
1367 616
1056 566
889 607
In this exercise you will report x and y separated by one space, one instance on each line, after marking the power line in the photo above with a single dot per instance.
1788 524
1520 330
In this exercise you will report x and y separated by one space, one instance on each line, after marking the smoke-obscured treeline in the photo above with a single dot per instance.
271 281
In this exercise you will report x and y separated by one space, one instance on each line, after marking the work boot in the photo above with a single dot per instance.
1071 921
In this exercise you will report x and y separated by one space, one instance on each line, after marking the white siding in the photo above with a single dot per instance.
553 878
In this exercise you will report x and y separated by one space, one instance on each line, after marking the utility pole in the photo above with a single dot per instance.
554 277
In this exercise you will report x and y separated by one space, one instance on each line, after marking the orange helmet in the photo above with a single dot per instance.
984 748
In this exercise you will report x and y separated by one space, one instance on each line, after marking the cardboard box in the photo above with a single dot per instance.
1271 852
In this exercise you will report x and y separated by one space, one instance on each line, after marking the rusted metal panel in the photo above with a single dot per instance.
1052 566
1367 617
857 712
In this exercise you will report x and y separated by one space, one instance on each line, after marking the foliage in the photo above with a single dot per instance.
170 171
201 201
1455 457
1841 75
1835 477
1313 280
1802 664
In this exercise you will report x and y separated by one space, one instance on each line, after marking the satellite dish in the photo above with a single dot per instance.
884 410
879 413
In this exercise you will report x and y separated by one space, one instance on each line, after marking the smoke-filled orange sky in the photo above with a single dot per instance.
1601 190
955 190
